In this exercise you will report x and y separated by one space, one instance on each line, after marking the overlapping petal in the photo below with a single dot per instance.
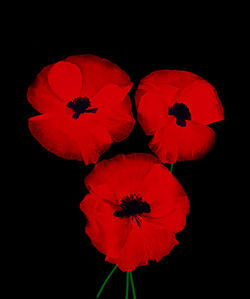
123 174
173 143
40 95
60 134
65 80
98 72
203 102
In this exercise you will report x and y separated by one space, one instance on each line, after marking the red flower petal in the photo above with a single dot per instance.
125 179
109 96
65 80
168 209
143 243
203 102
121 122
161 78
94 140
54 133
57 132
98 72
153 107
173 143
124 242
110 236
40 95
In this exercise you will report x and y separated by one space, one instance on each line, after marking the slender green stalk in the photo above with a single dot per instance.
132 284
127 284
106 280
171 167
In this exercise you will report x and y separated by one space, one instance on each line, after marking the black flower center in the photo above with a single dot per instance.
80 105
181 112
133 205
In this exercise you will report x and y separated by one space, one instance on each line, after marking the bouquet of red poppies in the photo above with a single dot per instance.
134 206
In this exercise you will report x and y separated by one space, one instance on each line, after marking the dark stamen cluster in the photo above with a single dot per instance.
80 105
181 112
132 205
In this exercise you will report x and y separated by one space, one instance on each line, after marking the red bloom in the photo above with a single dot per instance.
85 107
134 208
176 107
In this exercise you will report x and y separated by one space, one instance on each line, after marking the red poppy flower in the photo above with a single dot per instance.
134 208
85 107
176 107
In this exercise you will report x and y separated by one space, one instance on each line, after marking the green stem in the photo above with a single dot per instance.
106 280
127 284
132 284
171 167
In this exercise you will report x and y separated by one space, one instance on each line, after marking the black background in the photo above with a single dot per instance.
60 257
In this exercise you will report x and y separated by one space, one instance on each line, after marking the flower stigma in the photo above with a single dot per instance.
181 112
80 105
133 205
